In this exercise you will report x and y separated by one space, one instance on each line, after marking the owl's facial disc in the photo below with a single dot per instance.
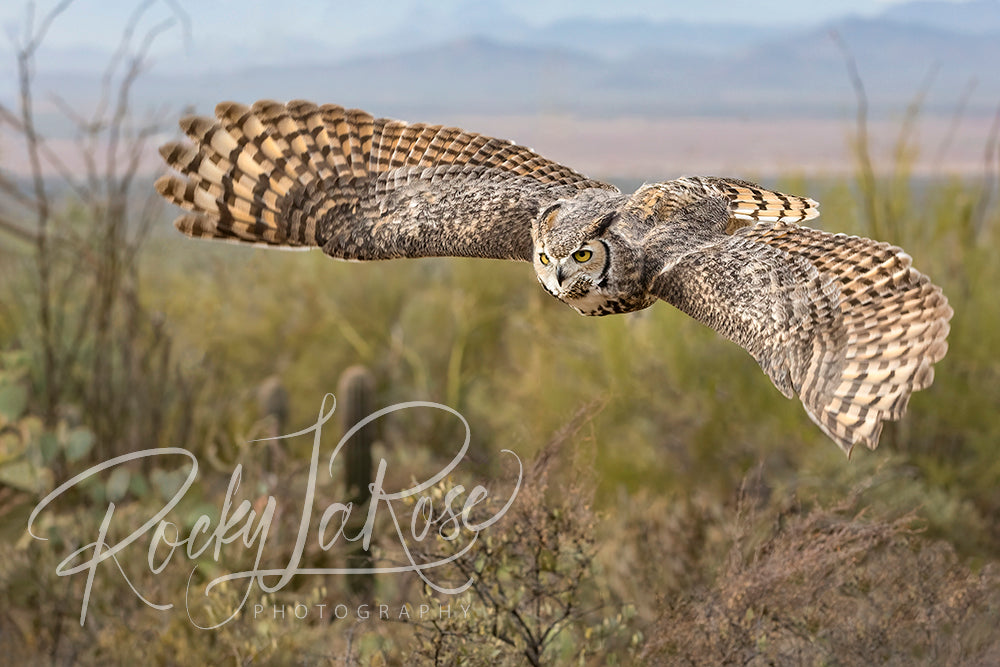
575 274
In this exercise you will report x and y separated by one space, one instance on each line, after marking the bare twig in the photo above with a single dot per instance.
991 163
869 186
17 230
89 311
902 158
956 120
25 61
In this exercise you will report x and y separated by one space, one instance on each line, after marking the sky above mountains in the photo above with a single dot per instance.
90 21
521 56
222 33
747 68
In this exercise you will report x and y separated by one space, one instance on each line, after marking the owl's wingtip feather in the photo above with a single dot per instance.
225 108
873 329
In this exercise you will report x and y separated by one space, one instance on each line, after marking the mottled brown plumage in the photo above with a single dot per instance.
844 322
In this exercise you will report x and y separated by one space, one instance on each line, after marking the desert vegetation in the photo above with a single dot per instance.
669 505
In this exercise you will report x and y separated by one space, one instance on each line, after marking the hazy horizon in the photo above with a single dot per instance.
757 90
205 34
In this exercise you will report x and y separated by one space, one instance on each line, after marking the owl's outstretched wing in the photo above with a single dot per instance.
844 322
359 187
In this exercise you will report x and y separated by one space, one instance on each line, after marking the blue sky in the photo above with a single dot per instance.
222 29
229 40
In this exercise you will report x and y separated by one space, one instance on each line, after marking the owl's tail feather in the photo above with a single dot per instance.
895 328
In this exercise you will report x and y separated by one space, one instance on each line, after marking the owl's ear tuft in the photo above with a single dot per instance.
548 216
601 225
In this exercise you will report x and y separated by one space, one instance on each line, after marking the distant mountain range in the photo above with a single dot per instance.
489 62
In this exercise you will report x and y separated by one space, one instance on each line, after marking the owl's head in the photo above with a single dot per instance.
573 249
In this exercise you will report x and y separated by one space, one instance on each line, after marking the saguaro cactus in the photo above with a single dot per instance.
355 397
273 404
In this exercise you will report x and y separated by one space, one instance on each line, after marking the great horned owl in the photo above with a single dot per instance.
844 322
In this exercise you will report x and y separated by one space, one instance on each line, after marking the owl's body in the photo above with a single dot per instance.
844 322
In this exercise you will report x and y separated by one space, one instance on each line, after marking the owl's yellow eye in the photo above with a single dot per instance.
583 255
543 258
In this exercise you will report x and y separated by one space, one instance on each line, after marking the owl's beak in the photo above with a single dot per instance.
560 275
